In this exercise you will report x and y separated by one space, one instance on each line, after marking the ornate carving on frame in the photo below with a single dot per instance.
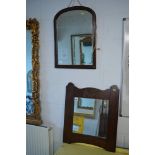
33 26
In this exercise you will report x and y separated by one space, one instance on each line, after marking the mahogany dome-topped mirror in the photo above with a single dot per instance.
91 116
75 38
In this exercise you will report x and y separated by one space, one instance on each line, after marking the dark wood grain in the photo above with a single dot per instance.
93 66
112 94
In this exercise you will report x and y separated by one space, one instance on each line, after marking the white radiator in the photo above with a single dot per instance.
39 140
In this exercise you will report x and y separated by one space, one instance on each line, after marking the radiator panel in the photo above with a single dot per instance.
38 140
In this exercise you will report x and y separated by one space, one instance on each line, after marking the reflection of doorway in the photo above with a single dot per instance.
86 51
103 119
81 49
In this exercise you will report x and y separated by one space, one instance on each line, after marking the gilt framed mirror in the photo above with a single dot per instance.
75 38
99 130
32 73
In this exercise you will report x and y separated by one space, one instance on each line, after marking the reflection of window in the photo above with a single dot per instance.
29 106
86 103
29 81
85 107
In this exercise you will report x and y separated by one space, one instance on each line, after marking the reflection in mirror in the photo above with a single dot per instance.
75 38
90 116
81 49
29 82
29 104
32 72
86 103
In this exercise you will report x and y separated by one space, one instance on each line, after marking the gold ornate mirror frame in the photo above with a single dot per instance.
33 26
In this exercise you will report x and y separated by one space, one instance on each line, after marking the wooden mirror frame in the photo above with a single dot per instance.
112 94
33 26
93 66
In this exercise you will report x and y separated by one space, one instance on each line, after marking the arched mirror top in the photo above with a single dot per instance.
76 8
75 38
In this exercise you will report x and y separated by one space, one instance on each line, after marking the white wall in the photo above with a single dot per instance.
53 81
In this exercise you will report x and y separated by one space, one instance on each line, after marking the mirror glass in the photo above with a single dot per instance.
90 116
32 73
75 39
82 49
29 104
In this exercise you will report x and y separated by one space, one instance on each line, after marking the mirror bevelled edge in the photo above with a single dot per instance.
57 65
33 26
